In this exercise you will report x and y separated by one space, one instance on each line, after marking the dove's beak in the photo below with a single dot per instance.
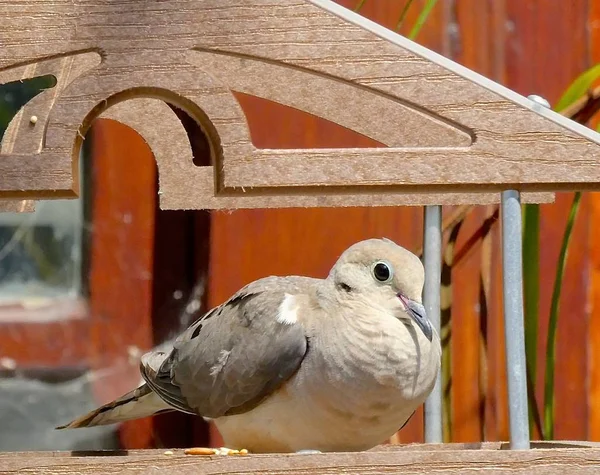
418 314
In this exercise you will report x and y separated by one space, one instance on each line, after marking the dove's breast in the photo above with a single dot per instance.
355 388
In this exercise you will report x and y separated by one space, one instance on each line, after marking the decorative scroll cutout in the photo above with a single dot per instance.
14 96
452 136
23 136
380 116
171 141
25 132
288 127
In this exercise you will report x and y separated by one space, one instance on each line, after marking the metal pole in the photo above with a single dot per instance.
432 261
514 332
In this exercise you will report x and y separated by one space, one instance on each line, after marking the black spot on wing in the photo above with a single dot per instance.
198 322
196 331
204 318
239 298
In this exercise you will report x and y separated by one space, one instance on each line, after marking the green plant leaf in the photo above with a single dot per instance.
422 18
531 294
403 14
578 87
359 5
553 321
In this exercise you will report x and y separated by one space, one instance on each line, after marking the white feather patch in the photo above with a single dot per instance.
221 362
288 310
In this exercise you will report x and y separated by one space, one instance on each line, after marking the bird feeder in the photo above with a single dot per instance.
449 136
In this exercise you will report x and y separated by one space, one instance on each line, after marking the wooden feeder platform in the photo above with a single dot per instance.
547 458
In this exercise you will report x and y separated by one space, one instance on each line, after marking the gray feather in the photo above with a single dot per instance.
235 356
141 402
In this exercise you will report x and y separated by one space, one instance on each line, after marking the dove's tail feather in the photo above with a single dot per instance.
141 402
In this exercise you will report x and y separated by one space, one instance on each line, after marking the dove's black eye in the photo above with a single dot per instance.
382 272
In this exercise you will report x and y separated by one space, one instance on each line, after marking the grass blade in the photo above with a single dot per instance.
359 5
537 419
553 321
422 18
403 14
571 104
531 294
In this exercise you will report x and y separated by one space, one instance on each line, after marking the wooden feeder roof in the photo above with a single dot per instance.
450 135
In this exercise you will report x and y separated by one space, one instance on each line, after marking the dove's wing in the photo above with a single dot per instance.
236 355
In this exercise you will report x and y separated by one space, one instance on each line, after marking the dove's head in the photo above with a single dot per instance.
385 274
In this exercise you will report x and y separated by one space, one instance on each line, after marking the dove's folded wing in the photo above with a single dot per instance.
236 355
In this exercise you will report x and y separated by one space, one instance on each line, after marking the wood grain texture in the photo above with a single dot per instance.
446 132
429 459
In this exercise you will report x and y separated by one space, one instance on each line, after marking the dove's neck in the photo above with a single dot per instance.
326 294
363 336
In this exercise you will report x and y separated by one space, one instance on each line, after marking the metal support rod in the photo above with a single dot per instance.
432 261
514 331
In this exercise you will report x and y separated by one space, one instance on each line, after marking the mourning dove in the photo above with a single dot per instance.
292 364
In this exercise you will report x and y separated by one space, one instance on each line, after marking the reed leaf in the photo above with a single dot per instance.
553 321
403 14
570 104
578 88
421 19
531 295
359 5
